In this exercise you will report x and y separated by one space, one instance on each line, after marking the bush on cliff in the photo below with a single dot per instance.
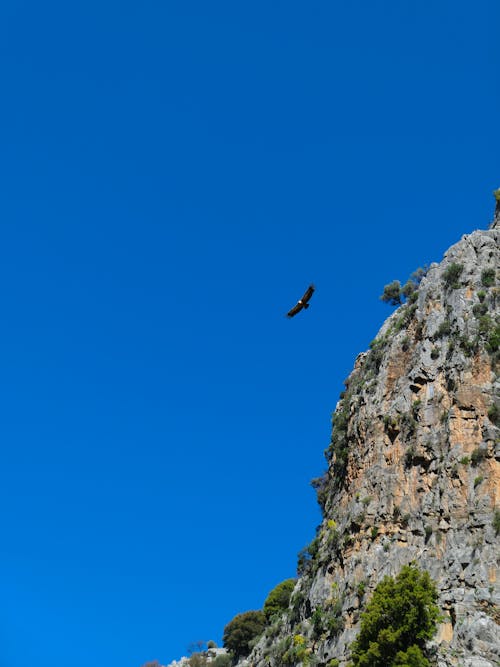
399 618
452 274
279 598
392 293
240 633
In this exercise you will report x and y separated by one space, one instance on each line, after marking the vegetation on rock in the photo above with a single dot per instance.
240 633
394 294
496 521
399 618
452 274
278 599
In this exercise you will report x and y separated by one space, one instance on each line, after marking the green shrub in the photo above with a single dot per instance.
333 539
278 599
279 650
496 521
420 273
242 630
480 309
428 532
297 652
399 618
465 460
379 343
478 480
374 532
413 657
392 293
318 623
496 194
306 556
485 325
320 485
408 423
494 340
409 289
488 277
389 422
333 618
338 448
452 274
444 329
477 456
374 357
494 414
481 295
406 314
468 346
410 454
297 600
333 663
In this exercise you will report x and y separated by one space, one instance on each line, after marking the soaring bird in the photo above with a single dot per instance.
301 303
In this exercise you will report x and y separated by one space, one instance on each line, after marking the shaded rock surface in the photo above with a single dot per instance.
413 473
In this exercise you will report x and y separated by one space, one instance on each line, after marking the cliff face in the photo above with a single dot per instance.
414 472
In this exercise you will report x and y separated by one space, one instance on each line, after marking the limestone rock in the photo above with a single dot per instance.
414 471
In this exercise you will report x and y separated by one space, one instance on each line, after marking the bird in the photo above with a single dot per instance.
301 303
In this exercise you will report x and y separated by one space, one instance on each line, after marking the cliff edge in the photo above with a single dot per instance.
413 473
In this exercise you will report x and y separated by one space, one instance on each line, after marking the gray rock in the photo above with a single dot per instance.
410 493
478 662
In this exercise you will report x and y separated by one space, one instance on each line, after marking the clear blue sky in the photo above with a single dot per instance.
172 176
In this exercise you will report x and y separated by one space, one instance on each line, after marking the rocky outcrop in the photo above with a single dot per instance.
413 472
206 657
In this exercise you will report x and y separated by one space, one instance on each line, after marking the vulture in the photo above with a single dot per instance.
301 303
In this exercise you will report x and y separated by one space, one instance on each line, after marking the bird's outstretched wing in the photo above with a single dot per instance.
296 309
308 294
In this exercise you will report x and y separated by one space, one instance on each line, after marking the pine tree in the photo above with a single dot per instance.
399 618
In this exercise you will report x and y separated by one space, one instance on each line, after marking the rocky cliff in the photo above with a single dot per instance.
413 472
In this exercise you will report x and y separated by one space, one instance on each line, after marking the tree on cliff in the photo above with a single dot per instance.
279 598
392 293
395 294
398 620
242 630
